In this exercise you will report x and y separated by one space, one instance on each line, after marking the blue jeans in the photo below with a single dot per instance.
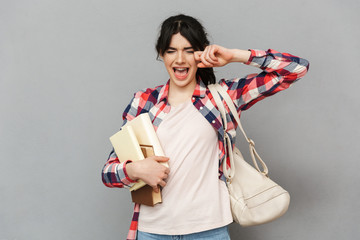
213 234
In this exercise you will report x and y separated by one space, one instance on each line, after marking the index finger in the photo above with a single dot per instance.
160 158
197 55
212 56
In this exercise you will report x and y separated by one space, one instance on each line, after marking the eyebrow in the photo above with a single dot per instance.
187 48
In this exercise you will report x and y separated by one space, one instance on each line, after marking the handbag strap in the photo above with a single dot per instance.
228 172
252 149
215 90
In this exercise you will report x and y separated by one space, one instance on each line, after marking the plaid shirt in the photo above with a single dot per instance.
280 70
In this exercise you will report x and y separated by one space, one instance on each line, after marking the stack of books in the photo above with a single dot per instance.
136 141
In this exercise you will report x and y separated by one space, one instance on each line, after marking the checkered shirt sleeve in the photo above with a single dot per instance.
280 71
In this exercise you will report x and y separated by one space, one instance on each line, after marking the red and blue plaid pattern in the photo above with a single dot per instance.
280 70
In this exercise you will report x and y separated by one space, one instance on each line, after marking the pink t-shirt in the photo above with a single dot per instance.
194 199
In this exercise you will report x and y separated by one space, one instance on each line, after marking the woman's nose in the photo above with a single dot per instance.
180 58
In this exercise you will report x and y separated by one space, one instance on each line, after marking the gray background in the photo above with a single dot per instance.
69 68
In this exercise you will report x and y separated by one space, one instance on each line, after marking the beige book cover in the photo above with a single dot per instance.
126 145
145 133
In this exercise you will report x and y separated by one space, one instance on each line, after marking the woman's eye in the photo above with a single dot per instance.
170 51
190 51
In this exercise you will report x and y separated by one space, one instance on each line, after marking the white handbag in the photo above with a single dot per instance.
255 199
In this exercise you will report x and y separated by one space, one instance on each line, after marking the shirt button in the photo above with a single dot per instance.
193 98
213 121
201 108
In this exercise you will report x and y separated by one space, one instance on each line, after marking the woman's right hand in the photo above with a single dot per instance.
218 56
150 171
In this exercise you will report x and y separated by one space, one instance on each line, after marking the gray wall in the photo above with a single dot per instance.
69 68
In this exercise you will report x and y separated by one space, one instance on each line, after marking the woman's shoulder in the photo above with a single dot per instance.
152 91
148 97
142 101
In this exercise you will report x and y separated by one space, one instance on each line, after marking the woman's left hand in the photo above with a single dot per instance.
214 56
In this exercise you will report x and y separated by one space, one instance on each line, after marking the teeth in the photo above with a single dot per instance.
180 69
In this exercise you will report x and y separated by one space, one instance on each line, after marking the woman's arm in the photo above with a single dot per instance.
280 70
114 173
125 174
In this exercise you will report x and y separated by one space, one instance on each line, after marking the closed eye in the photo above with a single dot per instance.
187 49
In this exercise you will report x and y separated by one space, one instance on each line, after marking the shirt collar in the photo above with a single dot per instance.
200 91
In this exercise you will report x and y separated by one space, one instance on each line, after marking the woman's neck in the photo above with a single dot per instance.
178 95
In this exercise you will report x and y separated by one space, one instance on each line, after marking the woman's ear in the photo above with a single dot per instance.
160 57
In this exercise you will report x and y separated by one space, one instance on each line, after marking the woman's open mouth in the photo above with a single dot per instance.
181 73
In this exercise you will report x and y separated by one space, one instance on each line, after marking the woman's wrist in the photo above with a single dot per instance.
129 167
240 55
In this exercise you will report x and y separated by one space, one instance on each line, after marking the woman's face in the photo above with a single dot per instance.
180 62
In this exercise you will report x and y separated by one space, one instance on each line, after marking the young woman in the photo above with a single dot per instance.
189 126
